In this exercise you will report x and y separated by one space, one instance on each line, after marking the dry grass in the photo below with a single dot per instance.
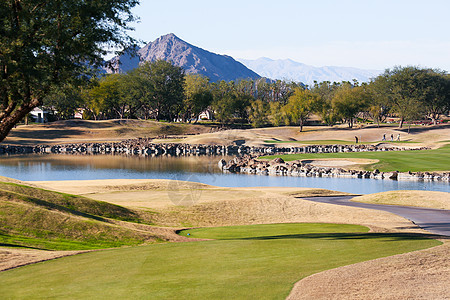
427 199
72 131
178 203
422 274
77 131
12 257
422 136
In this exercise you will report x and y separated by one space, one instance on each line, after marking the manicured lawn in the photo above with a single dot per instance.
333 142
403 161
315 142
245 262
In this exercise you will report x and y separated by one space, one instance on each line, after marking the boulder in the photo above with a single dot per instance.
222 163
277 160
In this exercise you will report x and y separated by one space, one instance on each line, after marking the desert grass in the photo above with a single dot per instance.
199 205
72 131
66 202
427 199
261 260
41 219
421 274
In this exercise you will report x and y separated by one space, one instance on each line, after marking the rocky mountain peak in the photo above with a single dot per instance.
192 59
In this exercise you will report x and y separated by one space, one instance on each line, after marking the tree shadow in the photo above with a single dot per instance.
45 134
345 236
19 246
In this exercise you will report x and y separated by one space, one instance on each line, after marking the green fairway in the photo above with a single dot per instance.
331 142
257 262
315 142
403 161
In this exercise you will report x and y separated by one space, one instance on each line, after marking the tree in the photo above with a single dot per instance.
437 94
197 95
406 91
109 96
326 90
140 91
64 101
380 106
348 101
164 83
257 113
300 106
46 44
277 115
224 108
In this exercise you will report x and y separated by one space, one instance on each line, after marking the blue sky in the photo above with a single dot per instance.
375 34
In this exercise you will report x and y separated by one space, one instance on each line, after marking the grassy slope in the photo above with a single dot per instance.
84 130
427 199
261 261
37 218
403 161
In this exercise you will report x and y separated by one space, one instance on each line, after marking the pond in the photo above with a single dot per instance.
202 169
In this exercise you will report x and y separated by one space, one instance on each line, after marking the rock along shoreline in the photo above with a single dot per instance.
145 146
251 165
245 162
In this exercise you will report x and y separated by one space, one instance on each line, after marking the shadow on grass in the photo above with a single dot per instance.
19 246
343 236
48 134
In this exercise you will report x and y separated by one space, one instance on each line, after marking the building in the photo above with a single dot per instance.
39 115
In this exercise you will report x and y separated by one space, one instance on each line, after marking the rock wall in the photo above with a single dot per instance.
248 164
146 147
245 162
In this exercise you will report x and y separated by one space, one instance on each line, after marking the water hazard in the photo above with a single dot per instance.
202 169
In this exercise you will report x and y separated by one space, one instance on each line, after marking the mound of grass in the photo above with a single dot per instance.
69 130
257 262
427 199
403 161
37 218
68 203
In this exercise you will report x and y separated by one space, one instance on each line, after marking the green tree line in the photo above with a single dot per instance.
162 91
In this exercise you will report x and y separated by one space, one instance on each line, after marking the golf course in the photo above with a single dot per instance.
414 161
159 239
208 150
260 260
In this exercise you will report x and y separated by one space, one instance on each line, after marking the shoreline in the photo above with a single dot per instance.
147 146
303 168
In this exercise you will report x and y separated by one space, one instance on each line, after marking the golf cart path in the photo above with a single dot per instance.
436 221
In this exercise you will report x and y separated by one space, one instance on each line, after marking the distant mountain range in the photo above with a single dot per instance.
192 59
195 60
287 69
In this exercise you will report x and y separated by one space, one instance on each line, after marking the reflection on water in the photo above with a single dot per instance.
52 162
192 168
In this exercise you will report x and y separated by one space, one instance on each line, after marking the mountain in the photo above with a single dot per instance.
288 69
192 59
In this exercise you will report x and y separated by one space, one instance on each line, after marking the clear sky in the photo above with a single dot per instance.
369 34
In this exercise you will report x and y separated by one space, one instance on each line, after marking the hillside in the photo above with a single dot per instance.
291 70
41 219
80 131
192 59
